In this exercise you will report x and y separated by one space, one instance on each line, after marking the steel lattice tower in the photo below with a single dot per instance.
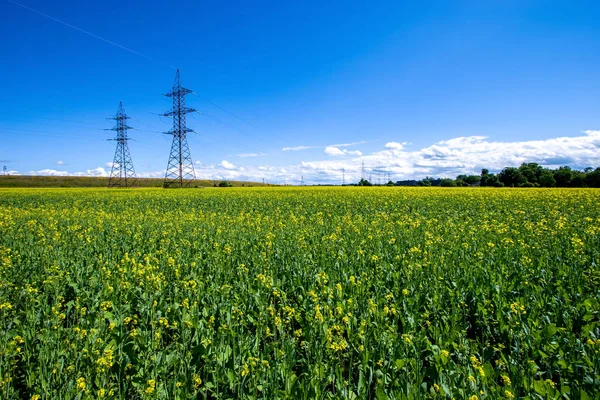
122 173
180 169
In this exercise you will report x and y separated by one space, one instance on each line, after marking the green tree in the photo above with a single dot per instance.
563 176
472 179
531 172
447 182
547 178
511 176
577 179
592 179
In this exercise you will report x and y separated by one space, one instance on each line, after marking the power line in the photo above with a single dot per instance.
234 115
126 49
89 33
148 58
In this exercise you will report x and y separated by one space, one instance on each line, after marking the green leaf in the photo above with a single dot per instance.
540 387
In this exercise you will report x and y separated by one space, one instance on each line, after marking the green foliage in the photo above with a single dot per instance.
511 177
547 179
17 181
534 175
447 182
563 176
299 293
469 180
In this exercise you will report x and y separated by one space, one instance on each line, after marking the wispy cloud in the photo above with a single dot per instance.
348 144
298 148
59 162
100 171
245 155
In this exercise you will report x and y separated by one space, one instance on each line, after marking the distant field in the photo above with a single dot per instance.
300 293
23 181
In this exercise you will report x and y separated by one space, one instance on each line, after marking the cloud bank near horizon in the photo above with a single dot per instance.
446 158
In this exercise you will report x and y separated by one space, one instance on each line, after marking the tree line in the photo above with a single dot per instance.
527 175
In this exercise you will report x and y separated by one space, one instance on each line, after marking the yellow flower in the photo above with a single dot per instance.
445 353
473 398
80 384
151 385
196 380
245 370
36 397
509 394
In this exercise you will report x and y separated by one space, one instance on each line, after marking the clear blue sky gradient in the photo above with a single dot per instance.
298 73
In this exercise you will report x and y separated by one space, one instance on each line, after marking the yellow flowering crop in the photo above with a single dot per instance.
305 292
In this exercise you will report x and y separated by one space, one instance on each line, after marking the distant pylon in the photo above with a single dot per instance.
180 169
301 180
362 171
122 173
343 176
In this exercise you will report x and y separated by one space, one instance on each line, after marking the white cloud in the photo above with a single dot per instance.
353 152
394 146
59 162
336 152
49 172
109 164
244 155
227 165
349 144
445 158
155 174
297 148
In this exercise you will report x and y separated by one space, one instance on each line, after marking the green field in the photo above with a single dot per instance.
300 293
30 181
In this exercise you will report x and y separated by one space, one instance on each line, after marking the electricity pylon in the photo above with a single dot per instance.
180 169
122 173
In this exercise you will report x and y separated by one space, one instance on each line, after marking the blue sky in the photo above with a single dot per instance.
290 89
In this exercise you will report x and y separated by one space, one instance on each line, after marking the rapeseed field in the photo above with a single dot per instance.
300 293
